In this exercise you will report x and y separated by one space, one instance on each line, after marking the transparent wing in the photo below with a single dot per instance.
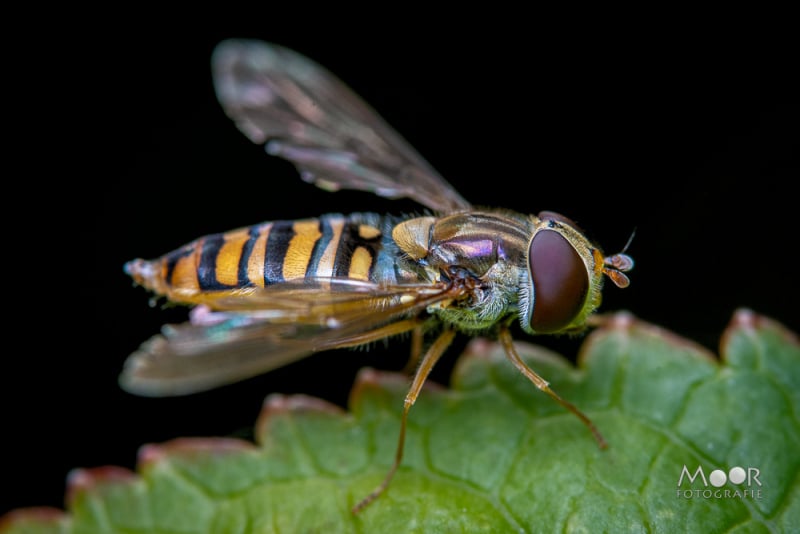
268 328
309 117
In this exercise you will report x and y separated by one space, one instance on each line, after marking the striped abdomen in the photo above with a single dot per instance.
351 246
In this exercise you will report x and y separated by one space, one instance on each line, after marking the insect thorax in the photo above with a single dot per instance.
485 249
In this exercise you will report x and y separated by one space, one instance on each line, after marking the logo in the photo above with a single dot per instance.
737 483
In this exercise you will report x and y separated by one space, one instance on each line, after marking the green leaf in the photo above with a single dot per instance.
493 454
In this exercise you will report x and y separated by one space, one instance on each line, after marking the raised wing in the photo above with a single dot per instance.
268 328
308 116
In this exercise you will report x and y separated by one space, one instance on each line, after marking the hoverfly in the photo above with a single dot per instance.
272 293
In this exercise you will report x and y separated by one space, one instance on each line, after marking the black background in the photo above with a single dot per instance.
120 150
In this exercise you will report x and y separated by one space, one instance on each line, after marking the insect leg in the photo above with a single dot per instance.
417 336
542 384
431 357
388 330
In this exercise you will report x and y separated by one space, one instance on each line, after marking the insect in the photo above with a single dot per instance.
266 295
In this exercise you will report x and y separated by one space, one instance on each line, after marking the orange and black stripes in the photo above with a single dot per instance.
357 251
351 246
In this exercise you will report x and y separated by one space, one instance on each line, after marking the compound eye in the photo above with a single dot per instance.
560 281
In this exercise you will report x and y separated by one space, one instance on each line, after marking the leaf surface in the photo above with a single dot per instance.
492 454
